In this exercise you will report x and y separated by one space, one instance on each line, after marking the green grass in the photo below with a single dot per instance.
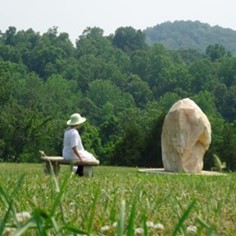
116 201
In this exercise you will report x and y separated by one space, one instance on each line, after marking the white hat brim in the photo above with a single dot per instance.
81 121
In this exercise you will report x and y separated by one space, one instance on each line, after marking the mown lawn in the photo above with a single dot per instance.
116 201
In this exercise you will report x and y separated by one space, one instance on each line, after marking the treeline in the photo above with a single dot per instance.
120 84
191 35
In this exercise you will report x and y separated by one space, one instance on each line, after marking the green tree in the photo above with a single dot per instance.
92 140
92 42
128 150
160 59
152 156
139 89
141 64
228 108
128 39
215 52
172 78
102 91
9 35
227 71
206 101
189 56
99 60
228 148
204 74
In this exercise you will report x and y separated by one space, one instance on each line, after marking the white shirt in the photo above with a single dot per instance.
71 139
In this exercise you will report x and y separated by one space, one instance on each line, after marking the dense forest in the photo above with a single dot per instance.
191 35
122 85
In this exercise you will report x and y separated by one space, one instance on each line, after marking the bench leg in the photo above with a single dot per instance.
52 166
88 171
47 168
56 168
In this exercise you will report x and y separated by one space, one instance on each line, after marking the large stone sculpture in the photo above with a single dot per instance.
186 135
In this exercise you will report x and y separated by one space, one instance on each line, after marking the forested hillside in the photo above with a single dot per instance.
191 35
120 84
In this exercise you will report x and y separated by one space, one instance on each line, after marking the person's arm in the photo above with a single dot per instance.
75 150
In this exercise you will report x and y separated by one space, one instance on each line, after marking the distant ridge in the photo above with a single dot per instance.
191 35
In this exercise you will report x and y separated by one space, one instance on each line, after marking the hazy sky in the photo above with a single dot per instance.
74 16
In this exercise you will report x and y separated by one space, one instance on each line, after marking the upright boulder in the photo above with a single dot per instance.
186 135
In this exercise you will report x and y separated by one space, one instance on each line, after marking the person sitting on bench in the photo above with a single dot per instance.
73 149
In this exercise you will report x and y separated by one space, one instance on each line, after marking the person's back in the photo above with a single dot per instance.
71 139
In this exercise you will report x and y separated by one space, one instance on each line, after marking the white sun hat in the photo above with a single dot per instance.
76 119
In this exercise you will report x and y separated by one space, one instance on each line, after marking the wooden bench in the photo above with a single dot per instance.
52 164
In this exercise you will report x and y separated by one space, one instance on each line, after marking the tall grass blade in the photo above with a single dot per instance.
59 196
113 209
54 177
206 225
145 228
183 218
91 218
4 221
203 223
22 229
130 230
8 201
39 215
56 227
18 186
5 198
73 229
121 222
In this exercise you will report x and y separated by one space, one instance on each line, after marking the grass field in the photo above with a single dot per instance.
116 201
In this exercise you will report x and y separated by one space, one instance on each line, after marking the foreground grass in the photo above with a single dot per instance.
116 201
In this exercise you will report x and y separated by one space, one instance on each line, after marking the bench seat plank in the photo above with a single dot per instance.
62 161
54 162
